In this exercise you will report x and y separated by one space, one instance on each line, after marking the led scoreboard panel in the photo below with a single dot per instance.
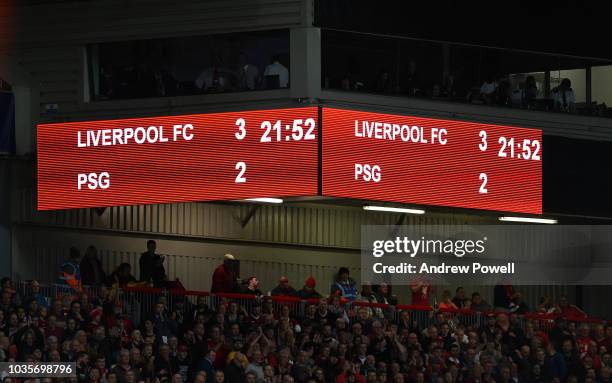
428 161
220 156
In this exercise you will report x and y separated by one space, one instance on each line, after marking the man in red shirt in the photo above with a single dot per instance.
420 292
224 277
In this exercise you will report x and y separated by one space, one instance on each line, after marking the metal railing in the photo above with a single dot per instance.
139 302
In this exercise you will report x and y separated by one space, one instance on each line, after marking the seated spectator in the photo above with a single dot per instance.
518 305
283 288
7 287
277 70
412 81
247 74
36 295
563 97
344 286
123 277
529 93
383 294
308 291
488 91
446 301
546 305
251 286
568 310
460 300
478 304
383 82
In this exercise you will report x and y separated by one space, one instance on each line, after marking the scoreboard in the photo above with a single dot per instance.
428 161
291 152
202 157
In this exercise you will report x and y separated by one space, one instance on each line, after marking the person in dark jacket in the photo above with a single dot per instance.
344 286
308 291
503 295
152 265
92 273
224 276
234 372
284 288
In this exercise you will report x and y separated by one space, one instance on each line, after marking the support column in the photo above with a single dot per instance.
5 218
305 71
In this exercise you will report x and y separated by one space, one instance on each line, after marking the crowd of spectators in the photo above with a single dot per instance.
321 340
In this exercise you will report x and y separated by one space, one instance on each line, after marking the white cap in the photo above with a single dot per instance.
229 257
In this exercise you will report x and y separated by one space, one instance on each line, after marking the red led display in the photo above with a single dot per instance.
426 161
203 157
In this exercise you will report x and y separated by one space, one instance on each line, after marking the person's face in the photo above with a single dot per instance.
94 374
151 247
219 377
384 288
111 378
344 277
319 375
177 378
124 357
268 371
129 377
164 351
101 363
147 351
135 355
254 282
250 378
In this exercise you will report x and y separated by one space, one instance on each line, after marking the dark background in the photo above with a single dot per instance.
571 27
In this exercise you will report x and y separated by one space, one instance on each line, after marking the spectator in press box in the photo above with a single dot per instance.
247 74
563 97
224 278
488 90
283 288
92 273
276 75
308 291
152 265
412 81
344 286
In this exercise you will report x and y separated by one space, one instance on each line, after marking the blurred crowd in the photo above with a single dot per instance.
339 336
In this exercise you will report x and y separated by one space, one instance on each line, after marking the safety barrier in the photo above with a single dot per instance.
137 302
